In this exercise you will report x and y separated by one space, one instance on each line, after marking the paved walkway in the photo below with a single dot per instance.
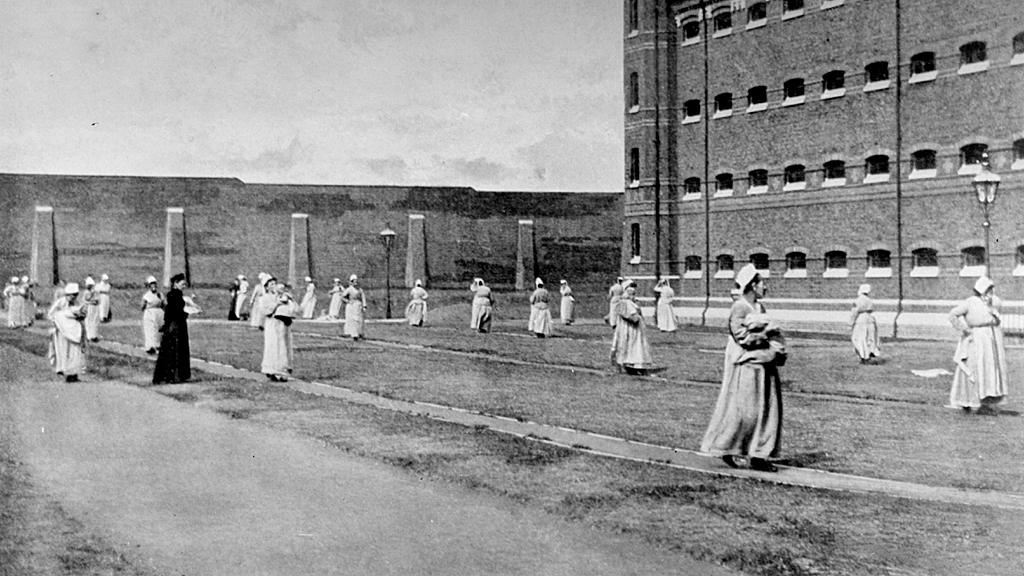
622 448
186 491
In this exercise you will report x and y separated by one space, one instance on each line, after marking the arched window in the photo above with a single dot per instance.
973 58
1018 268
922 67
835 264
835 173
721 22
876 169
723 105
1018 155
795 178
634 240
833 84
691 186
972 260
634 166
757 14
761 263
634 15
926 263
879 263
725 265
876 76
971 157
723 184
692 267
758 181
922 164
796 265
691 31
691 111
757 99
1018 49
634 91
792 8
793 91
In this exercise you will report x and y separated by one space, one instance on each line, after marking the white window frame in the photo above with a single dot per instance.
923 77
924 272
878 272
795 100
1017 59
833 93
827 4
793 14
876 178
754 190
972 271
693 274
877 85
836 273
973 68
795 273
922 174
833 182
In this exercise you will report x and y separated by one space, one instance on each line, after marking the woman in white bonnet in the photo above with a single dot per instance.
416 310
540 313
980 381
865 328
309 299
355 308
567 309
67 338
152 316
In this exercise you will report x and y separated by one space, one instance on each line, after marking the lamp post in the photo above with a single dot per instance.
986 184
387 238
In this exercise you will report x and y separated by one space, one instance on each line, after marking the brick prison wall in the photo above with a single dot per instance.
942 114
116 225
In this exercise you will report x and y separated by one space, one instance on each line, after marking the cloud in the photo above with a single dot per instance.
269 160
574 160
474 171
393 168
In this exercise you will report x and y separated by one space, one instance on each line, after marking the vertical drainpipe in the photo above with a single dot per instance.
657 139
899 172
707 168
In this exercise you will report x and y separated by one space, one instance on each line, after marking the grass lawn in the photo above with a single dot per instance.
752 526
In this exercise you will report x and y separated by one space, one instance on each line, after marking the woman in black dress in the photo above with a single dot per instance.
172 364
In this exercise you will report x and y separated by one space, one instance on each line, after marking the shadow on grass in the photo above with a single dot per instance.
806 459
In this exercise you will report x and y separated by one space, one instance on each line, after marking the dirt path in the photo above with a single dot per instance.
184 491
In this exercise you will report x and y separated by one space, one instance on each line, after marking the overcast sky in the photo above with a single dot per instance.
494 94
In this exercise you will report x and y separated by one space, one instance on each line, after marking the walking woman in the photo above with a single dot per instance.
28 312
630 350
278 308
309 299
416 311
15 303
540 313
747 421
67 338
865 327
355 307
334 309
103 294
173 363
664 311
483 306
980 382
614 294
567 309
233 301
152 316
91 300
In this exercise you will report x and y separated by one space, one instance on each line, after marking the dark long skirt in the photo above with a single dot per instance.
173 364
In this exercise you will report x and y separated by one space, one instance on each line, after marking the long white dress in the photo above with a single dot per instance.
614 294
277 338
629 341
152 319
482 309
309 301
540 314
92 315
241 298
103 294
334 309
568 305
15 307
255 318
665 312
67 338
355 304
865 328
981 377
416 311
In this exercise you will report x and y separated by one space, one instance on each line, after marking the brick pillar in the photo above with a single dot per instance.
300 262
526 268
175 246
416 252
44 267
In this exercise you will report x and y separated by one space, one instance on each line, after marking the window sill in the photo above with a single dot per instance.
635 260
757 24
835 93
722 114
634 109
765 273
689 197
1018 271
792 14
968 169
878 273
876 86
723 194
722 33
876 178
725 275
754 190
924 272
691 119
634 184
923 77
802 273
795 100
692 275
1017 59
973 68
833 182
633 34
826 4
1017 164
757 107
922 174
972 271
794 186
691 41
836 273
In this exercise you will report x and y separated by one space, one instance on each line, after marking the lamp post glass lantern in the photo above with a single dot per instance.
986 185
387 239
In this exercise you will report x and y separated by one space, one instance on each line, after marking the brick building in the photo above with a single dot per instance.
830 142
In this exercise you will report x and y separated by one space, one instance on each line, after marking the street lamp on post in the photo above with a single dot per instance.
986 184
387 238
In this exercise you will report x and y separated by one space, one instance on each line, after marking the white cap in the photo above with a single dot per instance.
337 280
104 277
15 279
150 279
983 284
562 282
538 282
353 278
71 288
864 289
89 281
308 279
263 277
745 276
419 282
241 276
